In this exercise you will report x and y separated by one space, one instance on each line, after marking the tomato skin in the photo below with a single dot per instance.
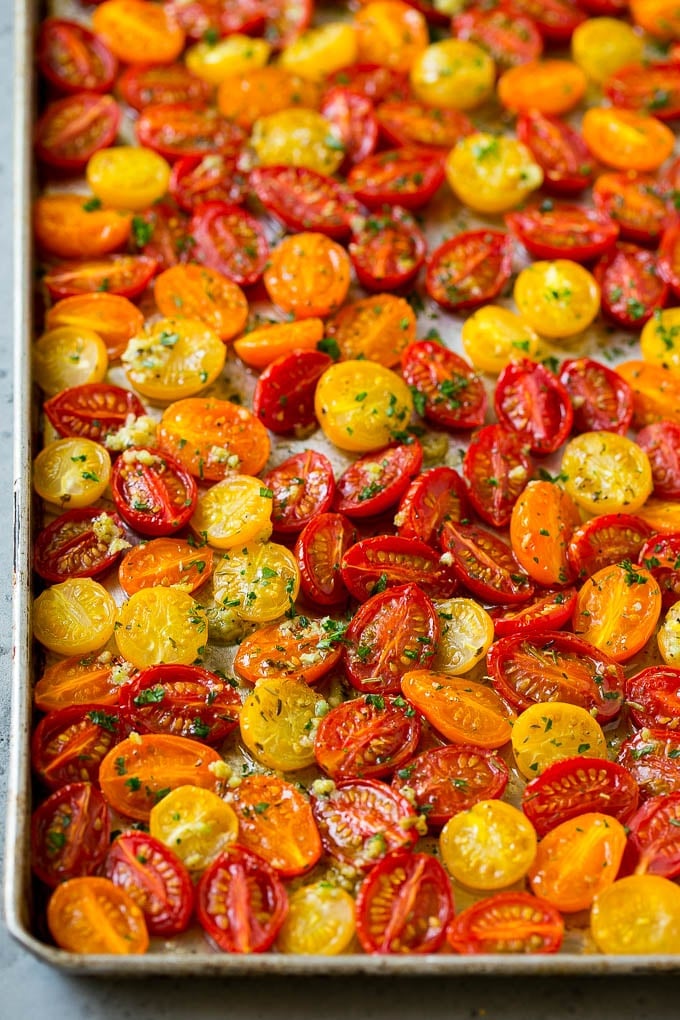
276 821
354 119
661 443
303 487
626 140
415 889
485 565
415 123
69 743
651 756
605 540
155 879
652 695
563 231
454 269
464 712
74 59
319 549
188 129
387 249
277 650
164 481
241 902
376 481
69 547
284 392
547 611
455 397
222 234
531 401
377 329
376 82
554 19
576 786
632 287
659 554
93 410
366 739
618 609
635 201
142 85
496 467
509 37
168 241
124 275
191 429
70 833
555 666
669 258
559 150
303 199
392 560
598 398
653 845
507 922
195 180
436 495
404 177
89 914
542 522
452 778
72 129
386 627
649 88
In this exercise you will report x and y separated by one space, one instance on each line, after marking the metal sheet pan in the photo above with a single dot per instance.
196 959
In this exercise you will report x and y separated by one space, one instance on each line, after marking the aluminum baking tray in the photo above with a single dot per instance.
193 957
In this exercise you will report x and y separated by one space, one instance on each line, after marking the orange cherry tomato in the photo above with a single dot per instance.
256 93
293 649
543 520
113 317
661 18
138 32
663 515
625 139
202 293
212 438
390 33
463 711
378 328
577 860
82 680
75 226
261 347
92 915
617 609
165 561
138 772
656 392
308 275
549 86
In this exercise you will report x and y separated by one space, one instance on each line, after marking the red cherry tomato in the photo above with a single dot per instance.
69 547
229 240
648 88
188 129
554 19
652 757
156 498
353 117
413 123
303 487
241 902
74 59
70 834
391 560
669 258
319 549
601 399
393 632
285 20
69 743
142 85
125 275
284 392
367 738
303 199
515 922
72 129
509 37
654 841
632 285
197 17
653 696
452 395
576 786
661 443
374 81
554 666
547 611
605 540
378 480
604 8
533 402
155 879
387 249
635 202
404 905
496 467
214 178
661 555
162 233
446 780
559 150
484 564
404 177
93 410
553 231
436 495
469 269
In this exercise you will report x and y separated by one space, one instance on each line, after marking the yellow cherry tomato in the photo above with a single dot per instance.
558 298
320 921
494 336
552 731
161 625
606 473
601 46
453 73
68 356
235 55
72 472
127 177
466 635
390 33
617 610
321 51
668 637
261 581
277 723
74 617
233 512
638 915
297 138
660 339
173 358
490 173
196 824
361 405
489 846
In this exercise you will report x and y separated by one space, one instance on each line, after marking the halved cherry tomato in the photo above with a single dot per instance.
284 393
69 744
320 921
165 561
391 560
241 902
319 549
404 905
554 19
452 395
551 731
76 226
605 540
114 318
453 73
154 878
285 21
380 416
661 555
618 609
138 31
507 922
558 149
413 123
546 611
361 820
555 666
484 564
669 258
352 115
653 697
531 401
463 711
93 410
229 240
213 438
142 85
437 495
509 36
661 443
376 481
162 232
275 820
70 833
626 140
598 398
277 723
654 840
387 249
469 269
656 392
261 91
308 275
197 17
450 779
374 81
74 59
390 33
542 523
649 88
71 471
152 491
298 648
652 758
82 680
195 823
496 467
123 275
366 738
303 486
79 543
549 86
303 199
90 915
264 345
174 130
557 298
212 178
235 510
563 231
634 201
202 293
183 701
404 177
377 328
72 129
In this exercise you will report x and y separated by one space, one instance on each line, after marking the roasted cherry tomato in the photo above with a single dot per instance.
303 199
376 82
604 540
298 648
303 486
391 560
235 510
509 37
165 561
213 438
320 921
390 33
551 731
405 177
461 710
542 522
93 411
308 275
637 914
79 543
661 555
507 922
265 344
137 31
387 249
554 19
484 564
72 129
436 495
277 723
494 336
546 611
496 467
651 756
76 226
155 879
469 269
626 140
114 318
377 328
82 680
90 915
162 233
634 201
587 464
319 550
563 231
649 88
70 833
653 697
353 117
202 293
379 417
284 393
174 130
661 443
72 471
122 275
549 86
669 258
451 395
413 123
366 738
74 617
601 399
195 823
74 59
376 481
154 493
653 843
173 358
212 178
656 392
532 402
142 85
276 821
68 745
229 240
559 150
489 845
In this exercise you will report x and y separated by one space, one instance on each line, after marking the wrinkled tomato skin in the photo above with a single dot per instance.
72 149
68 547
654 841
319 549
294 509
476 251
82 817
632 285
436 495
394 560
531 401
496 467
605 540
303 199
565 231
576 786
601 399
390 471
652 757
484 564
661 443
455 397
547 611
162 518
284 392
653 697
661 555
361 740
96 76
391 256
559 150
69 743
353 116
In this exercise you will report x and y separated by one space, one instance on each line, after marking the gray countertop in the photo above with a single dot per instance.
30 989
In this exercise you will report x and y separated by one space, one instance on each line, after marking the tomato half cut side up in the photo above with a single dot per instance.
70 833
576 786
385 561
241 902
229 240
414 123
635 202
174 130
556 20
124 275
142 85
484 564
652 757
319 550
275 820
600 398
284 392
74 59
155 879
303 486
436 495
298 648
507 922
604 540
72 129
653 697
661 555
509 37
387 249
469 269
376 481
551 231
451 395
654 841
80 543
214 178
559 150
69 743
669 258
153 493
353 117
366 738
404 905
648 88
404 177
632 284
661 443
303 199
546 611
531 401
496 467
